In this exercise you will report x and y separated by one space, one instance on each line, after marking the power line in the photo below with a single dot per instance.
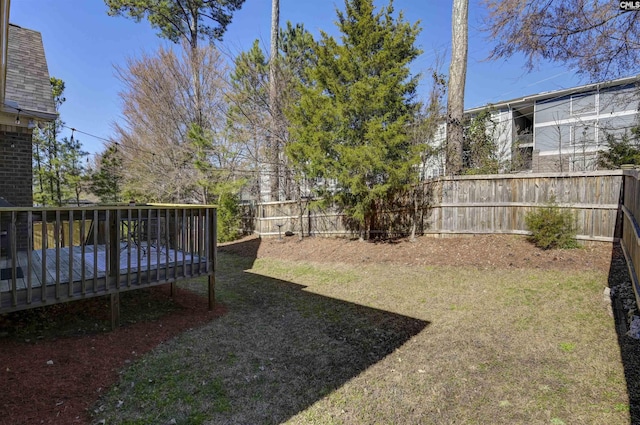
86 134
110 141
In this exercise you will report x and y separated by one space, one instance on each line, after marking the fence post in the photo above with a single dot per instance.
617 231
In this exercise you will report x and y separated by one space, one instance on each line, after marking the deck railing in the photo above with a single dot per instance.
53 255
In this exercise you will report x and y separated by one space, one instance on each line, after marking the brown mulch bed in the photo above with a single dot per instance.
46 379
481 251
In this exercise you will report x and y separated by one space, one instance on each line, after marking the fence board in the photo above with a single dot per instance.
473 204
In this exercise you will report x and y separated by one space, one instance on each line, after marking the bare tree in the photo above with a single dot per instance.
253 121
457 77
420 132
186 22
558 127
592 37
159 109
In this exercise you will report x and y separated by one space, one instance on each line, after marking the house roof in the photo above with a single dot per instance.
27 83
556 93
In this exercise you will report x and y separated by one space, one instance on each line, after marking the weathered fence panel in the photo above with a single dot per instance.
472 205
499 203
630 241
276 218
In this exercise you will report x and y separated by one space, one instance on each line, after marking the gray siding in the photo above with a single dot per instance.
552 110
583 104
550 138
618 99
616 126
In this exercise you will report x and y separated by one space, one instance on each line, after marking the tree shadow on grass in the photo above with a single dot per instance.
277 351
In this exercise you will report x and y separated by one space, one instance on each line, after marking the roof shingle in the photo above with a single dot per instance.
27 81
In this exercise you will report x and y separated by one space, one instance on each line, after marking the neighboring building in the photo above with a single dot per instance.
561 130
27 101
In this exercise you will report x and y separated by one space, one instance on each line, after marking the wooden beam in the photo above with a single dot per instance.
213 245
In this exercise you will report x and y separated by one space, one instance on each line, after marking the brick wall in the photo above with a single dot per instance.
549 163
16 175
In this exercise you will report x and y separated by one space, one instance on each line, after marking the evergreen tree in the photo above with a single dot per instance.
480 151
273 145
622 150
457 79
75 171
180 19
58 171
106 180
350 124
250 109
185 21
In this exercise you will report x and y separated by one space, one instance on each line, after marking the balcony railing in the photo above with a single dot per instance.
54 255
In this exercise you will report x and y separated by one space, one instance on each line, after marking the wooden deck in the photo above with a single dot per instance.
55 255
88 264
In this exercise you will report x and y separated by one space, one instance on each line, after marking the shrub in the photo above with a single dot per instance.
228 216
552 227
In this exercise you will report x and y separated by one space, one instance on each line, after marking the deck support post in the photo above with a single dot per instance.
173 289
212 242
115 310
212 291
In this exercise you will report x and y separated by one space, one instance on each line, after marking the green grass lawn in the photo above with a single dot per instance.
307 343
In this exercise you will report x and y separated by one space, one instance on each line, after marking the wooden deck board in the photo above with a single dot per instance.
93 256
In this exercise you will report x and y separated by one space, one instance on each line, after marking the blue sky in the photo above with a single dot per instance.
83 44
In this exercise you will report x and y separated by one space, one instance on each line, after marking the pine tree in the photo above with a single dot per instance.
455 92
350 125
58 171
75 171
106 180
250 108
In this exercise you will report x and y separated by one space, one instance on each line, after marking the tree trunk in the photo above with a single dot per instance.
273 145
194 57
457 77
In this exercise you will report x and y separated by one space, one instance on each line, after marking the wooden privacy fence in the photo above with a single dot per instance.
470 205
606 205
499 203
630 240
54 255
275 218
